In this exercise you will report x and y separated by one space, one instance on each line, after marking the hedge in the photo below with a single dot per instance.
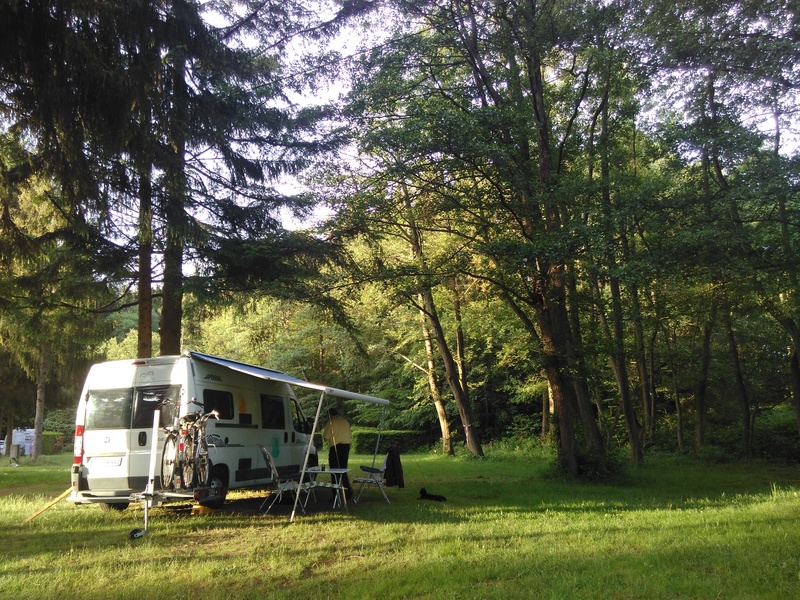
364 440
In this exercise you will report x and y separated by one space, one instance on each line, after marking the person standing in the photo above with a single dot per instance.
337 435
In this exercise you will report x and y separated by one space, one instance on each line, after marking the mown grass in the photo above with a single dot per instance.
673 528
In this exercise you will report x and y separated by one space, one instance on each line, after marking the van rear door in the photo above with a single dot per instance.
147 399
106 426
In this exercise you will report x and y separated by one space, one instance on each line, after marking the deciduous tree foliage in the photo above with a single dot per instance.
538 129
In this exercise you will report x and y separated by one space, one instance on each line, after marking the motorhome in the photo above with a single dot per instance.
115 423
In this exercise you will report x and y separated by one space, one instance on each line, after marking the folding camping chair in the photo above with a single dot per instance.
284 483
374 477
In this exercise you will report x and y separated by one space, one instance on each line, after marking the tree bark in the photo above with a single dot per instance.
675 393
740 387
641 364
701 388
552 320
41 387
451 370
145 290
9 430
794 368
172 306
461 357
451 375
618 360
547 410
433 385
586 409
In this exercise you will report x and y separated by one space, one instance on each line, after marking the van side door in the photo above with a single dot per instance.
301 431
275 435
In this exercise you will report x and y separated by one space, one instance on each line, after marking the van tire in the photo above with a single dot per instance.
107 506
217 483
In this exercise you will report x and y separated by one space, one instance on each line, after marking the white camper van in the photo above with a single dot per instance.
114 425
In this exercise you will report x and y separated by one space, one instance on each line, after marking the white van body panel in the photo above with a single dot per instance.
115 417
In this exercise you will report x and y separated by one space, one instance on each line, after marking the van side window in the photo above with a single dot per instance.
147 398
272 413
220 401
301 424
109 409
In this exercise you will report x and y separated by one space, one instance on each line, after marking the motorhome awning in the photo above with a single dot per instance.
283 377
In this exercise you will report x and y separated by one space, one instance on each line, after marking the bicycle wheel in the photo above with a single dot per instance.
188 463
169 458
201 467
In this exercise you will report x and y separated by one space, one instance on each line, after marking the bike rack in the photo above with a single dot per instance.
151 497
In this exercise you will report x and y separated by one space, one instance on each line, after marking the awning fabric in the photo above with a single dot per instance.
283 377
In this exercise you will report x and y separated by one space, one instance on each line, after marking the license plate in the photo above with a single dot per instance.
106 461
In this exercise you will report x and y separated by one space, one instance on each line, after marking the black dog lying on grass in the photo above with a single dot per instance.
424 495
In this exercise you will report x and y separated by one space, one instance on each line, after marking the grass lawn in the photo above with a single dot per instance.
673 528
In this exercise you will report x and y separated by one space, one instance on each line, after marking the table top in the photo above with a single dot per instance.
326 470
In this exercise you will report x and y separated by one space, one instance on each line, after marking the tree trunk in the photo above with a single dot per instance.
794 368
145 320
793 330
553 320
675 392
451 370
701 389
585 406
547 411
451 375
641 364
436 394
9 430
618 361
172 308
147 59
41 387
651 353
460 349
740 387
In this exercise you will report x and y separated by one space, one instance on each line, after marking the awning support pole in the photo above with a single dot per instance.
308 452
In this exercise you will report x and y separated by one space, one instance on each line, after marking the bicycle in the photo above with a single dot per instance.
184 460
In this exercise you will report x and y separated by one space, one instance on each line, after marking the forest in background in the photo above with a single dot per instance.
568 220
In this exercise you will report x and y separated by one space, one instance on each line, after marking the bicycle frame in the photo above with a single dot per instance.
184 462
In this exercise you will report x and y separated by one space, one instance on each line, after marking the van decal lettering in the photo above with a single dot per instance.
213 377
147 375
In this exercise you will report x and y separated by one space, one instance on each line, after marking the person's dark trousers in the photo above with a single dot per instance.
338 456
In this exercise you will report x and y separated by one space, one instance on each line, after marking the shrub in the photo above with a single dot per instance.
52 442
776 436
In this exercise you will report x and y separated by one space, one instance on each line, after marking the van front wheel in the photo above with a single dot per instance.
106 506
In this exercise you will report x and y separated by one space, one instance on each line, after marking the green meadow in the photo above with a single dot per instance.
672 528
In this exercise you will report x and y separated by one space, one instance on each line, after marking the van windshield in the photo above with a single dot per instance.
109 409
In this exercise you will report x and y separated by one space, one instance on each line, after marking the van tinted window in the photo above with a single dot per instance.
272 414
109 409
147 398
220 401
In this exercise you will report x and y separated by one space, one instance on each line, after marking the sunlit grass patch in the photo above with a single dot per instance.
671 529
